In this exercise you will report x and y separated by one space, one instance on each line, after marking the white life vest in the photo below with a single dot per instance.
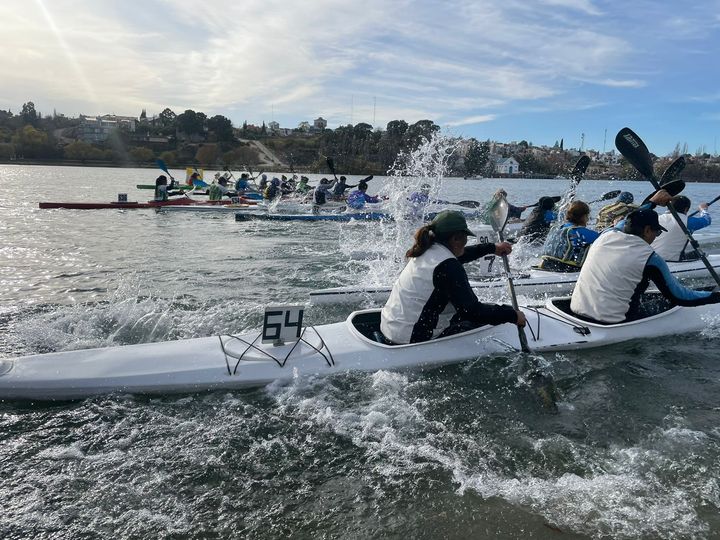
410 293
612 271
669 245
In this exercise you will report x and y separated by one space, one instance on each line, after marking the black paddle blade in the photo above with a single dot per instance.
469 204
368 178
673 170
673 188
634 150
610 195
331 164
580 168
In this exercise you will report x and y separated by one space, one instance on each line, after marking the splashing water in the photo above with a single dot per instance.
423 167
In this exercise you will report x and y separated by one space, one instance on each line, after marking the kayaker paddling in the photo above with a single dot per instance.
611 213
537 225
433 278
566 247
358 198
619 267
671 246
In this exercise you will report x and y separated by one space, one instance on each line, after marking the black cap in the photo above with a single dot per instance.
641 218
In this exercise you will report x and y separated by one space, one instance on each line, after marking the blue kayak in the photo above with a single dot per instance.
365 216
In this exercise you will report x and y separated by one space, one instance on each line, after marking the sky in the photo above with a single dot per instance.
505 70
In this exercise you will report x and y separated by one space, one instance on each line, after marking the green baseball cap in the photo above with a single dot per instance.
448 222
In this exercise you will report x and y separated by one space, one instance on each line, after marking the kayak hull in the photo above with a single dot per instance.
240 361
184 201
535 283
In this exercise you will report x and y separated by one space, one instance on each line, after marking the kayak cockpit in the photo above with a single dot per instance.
652 304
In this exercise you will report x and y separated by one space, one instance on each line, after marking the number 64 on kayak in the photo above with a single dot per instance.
282 323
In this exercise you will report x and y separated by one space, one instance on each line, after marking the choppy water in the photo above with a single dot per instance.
459 452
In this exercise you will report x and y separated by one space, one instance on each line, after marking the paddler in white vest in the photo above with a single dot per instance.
619 267
434 279
671 245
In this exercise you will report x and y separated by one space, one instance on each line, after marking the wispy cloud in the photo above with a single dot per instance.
462 62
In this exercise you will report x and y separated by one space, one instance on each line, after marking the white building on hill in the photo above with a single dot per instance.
506 165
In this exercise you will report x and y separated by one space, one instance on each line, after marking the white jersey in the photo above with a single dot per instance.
610 275
670 245
410 293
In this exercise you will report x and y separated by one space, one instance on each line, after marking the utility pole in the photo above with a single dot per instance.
604 140
374 110
352 109
582 141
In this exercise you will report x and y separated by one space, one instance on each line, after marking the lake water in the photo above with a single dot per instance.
458 452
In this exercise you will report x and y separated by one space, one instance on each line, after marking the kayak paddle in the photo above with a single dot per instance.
673 171
607 196
544 384
698 211
331 166
634 150
161 165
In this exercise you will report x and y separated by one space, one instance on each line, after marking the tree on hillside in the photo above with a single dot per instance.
207 154
222 128
422 129
28 114
167 118
30 142
476 157
141 154
169 158
82 151
191 123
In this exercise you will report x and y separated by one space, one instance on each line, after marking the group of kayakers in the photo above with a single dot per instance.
615 262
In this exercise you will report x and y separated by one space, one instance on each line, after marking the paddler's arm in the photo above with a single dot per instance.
450 277
473 253
656 269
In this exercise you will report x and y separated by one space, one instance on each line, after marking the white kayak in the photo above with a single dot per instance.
242 361
533 283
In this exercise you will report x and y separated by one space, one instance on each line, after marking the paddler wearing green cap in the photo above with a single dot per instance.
434 279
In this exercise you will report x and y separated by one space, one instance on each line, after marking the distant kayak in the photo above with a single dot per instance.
128 205
342 216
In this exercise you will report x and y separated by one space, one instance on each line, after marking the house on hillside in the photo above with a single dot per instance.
506 165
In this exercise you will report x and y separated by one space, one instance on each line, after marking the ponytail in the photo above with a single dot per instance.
424 238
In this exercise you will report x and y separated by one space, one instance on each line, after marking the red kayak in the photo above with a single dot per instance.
134 204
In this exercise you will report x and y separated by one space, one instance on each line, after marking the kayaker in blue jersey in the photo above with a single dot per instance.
433 278
611 213
243 184
671 246
566 246
618 269
358 198
341 185
537 224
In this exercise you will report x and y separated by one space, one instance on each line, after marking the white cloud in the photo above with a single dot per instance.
460 62
479 119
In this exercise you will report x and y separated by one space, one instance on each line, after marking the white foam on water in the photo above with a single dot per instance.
131 315
616 492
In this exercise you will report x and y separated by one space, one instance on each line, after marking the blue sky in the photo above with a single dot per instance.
501 69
